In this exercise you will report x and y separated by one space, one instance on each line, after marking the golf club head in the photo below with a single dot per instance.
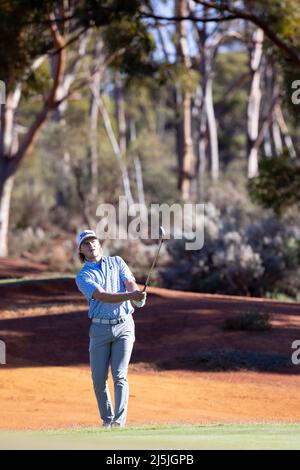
162 232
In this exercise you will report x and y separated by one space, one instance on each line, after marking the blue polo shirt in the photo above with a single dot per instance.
109 274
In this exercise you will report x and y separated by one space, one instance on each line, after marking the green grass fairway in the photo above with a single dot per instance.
237 436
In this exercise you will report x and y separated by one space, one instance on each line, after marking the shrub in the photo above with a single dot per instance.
252 259
250 320
277 185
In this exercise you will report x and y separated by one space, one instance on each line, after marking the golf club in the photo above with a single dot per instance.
162 234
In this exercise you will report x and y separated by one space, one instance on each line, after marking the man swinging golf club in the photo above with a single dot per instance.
112 292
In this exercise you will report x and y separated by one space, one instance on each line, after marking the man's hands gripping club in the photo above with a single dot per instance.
139 297
140 303
134 295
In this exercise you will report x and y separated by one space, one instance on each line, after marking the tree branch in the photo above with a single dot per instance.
49 102
266 123
188 17
242 14
85 82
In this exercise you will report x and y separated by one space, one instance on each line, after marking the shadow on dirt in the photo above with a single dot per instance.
183 331
168 340
221 361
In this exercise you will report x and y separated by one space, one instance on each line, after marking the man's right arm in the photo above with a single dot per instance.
115 298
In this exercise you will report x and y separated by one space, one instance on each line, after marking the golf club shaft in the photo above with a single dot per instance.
153 264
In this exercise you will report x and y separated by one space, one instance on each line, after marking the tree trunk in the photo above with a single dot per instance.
200 116
208 48
93 141
92 153
285 132
212 130
277 138
9 146
120 114
178 134
138 166
188 153
186 159
267 144
5 197
254 99
11 152
93 135
71 74
201 156
116 150
264 127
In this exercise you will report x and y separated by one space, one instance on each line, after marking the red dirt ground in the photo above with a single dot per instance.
12 268
46 381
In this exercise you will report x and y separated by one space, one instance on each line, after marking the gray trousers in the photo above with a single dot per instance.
111 345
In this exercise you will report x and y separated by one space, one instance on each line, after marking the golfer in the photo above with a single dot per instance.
111 291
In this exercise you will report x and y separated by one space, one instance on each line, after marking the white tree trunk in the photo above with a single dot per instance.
71 74
267 144
9 147
277 138
253 162
93 135
120 111
254 100
186 153
208 49
138 166
261 135
202 158
139 180
200 114
212 129
116 150
285 132
9 131
93 150
5 198
93 154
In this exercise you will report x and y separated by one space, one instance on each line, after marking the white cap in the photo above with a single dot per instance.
83 235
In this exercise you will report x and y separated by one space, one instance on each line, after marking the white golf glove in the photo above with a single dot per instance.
140 303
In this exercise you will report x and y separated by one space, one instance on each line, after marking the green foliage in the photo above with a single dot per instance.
131 34
37 83
249 320
186 80
23 37
282 17
26 34
278 184
103 12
